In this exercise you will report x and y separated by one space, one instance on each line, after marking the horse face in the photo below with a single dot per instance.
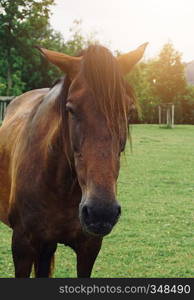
96 158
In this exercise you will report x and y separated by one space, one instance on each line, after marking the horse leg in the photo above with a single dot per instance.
86 256
22 253
45 260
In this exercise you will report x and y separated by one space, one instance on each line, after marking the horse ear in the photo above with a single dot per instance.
68 64
128 60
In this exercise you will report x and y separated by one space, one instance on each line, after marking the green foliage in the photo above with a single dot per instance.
140 80
24 24
185 107
162 80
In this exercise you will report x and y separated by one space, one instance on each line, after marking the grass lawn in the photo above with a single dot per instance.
155 234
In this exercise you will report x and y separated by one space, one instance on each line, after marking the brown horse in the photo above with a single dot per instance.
59 160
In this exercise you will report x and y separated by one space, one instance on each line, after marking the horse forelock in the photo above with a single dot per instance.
101 71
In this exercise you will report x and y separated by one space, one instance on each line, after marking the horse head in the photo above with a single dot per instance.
97 108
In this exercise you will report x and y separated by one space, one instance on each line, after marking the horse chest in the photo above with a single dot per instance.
61 225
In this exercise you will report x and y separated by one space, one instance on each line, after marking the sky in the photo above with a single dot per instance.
125 24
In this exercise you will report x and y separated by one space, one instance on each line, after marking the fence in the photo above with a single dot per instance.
4 101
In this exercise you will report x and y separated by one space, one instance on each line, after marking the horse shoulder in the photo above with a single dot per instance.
24 103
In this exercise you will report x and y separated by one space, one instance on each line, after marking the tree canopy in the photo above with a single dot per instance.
23 24
168 75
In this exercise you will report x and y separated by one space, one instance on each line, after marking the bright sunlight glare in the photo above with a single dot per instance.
125 24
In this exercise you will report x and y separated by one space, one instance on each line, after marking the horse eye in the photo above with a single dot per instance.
70 109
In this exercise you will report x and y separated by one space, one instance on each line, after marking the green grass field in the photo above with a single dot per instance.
155 234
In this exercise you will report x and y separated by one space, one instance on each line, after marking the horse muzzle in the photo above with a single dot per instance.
99 219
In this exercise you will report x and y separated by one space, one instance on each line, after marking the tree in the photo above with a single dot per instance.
23 23
167 75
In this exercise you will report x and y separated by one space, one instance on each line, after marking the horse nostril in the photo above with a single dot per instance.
85 212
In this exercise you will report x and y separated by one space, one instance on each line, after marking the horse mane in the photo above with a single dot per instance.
63 116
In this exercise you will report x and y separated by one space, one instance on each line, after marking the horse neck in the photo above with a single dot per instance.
48 132
59 163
